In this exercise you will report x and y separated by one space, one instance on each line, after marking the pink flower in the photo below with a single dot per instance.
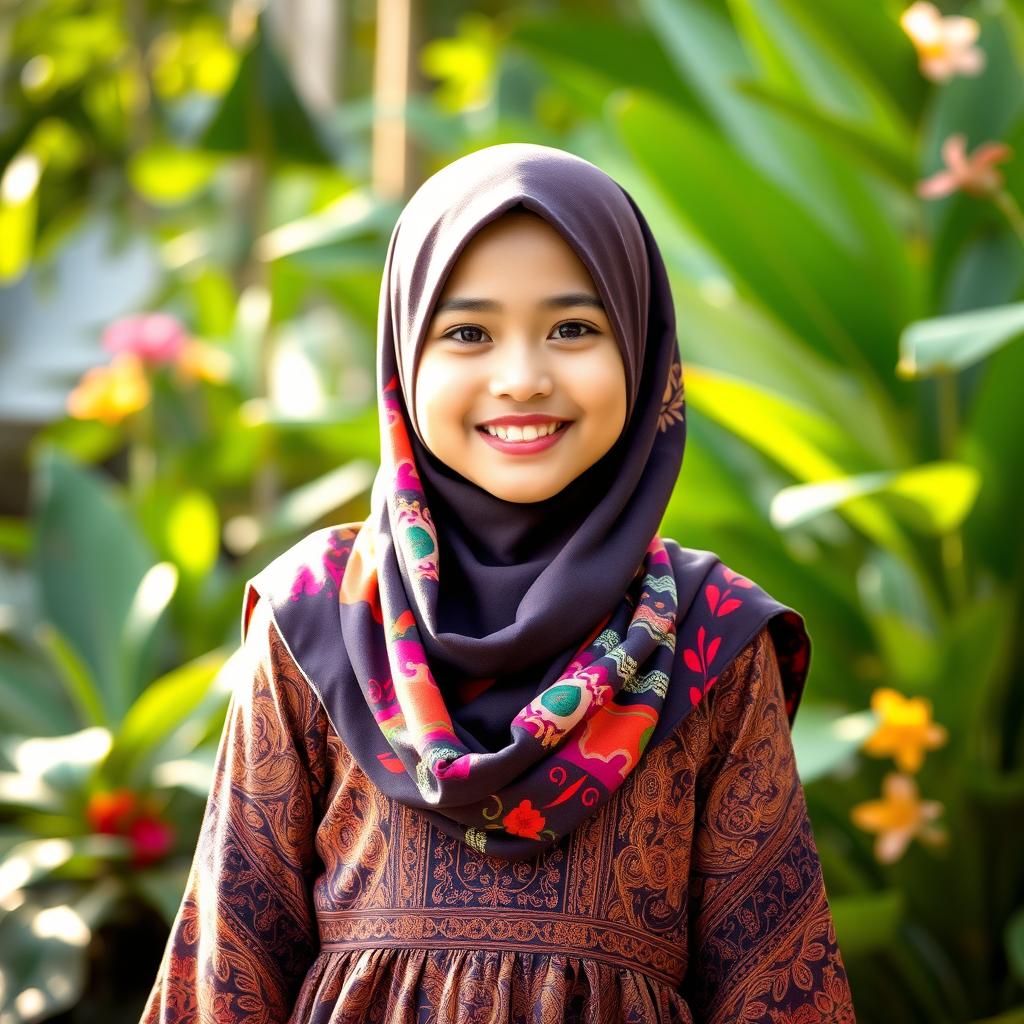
945 45
974 174
152 839
155 338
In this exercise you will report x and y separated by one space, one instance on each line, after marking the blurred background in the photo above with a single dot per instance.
195 201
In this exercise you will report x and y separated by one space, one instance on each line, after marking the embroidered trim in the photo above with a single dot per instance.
529 931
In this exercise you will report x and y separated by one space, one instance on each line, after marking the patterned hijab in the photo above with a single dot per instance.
503 666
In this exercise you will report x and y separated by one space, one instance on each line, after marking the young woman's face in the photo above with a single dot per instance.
519 341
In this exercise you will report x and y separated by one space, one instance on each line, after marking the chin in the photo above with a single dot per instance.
521 495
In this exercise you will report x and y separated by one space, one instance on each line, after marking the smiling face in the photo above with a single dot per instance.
520 341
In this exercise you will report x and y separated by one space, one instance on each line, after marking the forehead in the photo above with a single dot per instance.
521 239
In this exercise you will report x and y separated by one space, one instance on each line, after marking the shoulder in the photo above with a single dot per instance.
312 565
778 632
749 694
267 681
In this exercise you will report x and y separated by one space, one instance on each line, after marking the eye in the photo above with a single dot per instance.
573 324
466 341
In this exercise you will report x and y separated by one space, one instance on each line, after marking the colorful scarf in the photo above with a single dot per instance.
502 667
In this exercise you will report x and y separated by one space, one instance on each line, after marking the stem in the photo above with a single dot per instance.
141 456
951 544
1012 211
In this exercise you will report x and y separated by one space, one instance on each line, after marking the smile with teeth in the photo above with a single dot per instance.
528 433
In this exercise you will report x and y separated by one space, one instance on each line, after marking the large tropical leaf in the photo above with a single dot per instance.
92 562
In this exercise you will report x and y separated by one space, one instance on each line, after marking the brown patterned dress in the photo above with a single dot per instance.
694 895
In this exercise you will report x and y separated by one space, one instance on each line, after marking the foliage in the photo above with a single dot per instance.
836 189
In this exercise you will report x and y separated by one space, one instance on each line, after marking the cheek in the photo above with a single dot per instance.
598 386
442 394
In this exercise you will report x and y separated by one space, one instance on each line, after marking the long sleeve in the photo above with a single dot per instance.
245 933
762 941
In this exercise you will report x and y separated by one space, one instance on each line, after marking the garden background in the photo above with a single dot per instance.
195 201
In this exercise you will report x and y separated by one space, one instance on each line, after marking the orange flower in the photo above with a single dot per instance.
898 817
905 730
974 174
945 45
524 820
110 813
200 361
110 393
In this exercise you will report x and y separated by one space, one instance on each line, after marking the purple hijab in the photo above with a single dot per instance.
503 666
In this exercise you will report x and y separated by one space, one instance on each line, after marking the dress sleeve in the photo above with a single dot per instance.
245 933
762 941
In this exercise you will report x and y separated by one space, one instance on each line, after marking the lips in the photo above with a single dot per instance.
526 447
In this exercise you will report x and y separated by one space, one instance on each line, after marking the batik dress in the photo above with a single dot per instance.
695 894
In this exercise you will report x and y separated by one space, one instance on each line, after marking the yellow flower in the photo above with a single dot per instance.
898 817
906 729
110 393
200 361
945 46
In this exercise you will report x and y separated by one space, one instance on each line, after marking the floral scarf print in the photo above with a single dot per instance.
605 647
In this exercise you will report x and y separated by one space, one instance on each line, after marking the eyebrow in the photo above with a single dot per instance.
490 306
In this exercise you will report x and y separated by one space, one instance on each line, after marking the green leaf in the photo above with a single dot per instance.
938 496
161 708
303 507
972 684
894 597
1013 937
167 175
192 532
91 561
262 113
899 165
19 208
741 215
35 859
797 52
797 439
139 635
193 773
1014 1016
29 704
826 739
609 53
163 888
867 923
15 535
815 179
348 231
945 344
64 763
874 44
79 685
991 441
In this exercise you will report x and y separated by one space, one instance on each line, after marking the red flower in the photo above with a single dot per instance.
122 813
524 820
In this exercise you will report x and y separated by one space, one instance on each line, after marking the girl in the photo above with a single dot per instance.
501 752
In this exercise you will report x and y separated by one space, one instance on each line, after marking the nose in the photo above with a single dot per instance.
520 373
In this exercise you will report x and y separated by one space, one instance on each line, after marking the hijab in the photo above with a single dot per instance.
503 666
